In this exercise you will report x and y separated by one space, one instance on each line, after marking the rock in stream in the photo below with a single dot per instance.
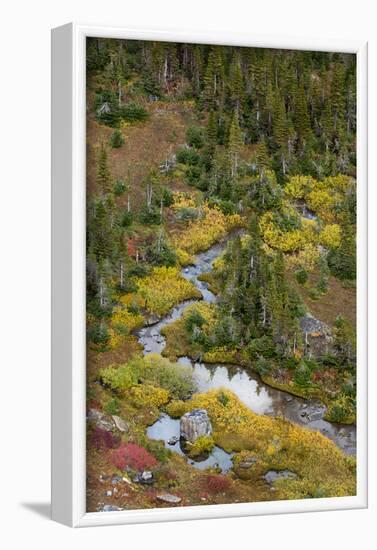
195 424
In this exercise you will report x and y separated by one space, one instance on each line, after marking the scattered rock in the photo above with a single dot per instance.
273 475
100 420
110 508
145 477
247 463
120 423
167 497
315 415
116 479
195 424
288 398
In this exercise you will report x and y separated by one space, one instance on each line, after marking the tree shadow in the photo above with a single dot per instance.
42 509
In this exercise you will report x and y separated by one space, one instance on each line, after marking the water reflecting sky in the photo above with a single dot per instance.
247 389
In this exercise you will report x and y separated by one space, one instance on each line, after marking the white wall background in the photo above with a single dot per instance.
25 265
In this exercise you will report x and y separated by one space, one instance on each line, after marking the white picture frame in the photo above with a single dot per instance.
68 278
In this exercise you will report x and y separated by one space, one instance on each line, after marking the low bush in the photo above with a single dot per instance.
112 406
98 334
301 276
126 219
187 156
261 347
303 375
176 409
195 136
132 112
187 214
202 446
103 439
145 394
167 197
119 187
116 139
152 379
341 410
133 456
216 484
209 228
150 216
164 288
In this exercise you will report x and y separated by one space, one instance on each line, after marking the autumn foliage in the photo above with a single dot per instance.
132 455
164 288
103 439
211 226
216 484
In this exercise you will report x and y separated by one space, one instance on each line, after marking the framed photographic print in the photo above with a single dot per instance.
209 275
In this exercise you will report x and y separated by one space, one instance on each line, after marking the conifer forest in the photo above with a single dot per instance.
221 274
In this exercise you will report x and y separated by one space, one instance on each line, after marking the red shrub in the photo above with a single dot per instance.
102 439
217 483
132 455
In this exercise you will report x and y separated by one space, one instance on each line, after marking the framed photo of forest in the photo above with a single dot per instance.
209 275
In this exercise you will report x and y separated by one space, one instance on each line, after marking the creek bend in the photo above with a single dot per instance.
256 395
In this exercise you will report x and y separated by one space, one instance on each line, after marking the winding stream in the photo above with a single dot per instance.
256 395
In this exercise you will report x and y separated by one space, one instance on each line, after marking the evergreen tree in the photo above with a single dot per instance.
234 145
103 172
302 120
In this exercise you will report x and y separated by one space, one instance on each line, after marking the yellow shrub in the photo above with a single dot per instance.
176 409
330 235
205 309
220 355
183 200
211 227
340 183
299 186
144 395
123 319
164 288
307 258
123 322
184 258
276 238
131 300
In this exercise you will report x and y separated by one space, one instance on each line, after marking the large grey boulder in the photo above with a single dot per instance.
195 424
120 423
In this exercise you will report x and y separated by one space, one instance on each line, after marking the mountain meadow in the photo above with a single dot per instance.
221 274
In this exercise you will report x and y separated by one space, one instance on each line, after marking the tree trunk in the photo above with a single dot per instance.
121 278
149 196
